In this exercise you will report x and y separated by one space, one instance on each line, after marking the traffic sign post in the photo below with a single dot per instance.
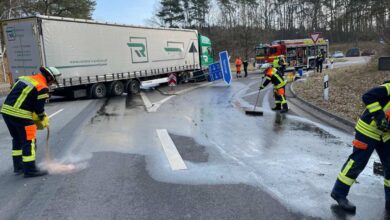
225 67
326 87
315 36
215 72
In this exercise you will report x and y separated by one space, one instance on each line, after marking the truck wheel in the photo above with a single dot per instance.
133 87
312 64
98 90
116 88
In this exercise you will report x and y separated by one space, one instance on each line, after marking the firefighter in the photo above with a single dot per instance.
238 67
24 105
372 133
272 75
245 64
319 60
282 65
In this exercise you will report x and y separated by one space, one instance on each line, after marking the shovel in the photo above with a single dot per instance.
254 112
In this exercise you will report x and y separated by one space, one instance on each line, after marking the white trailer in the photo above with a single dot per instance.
100 59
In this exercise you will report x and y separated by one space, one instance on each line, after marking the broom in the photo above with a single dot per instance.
254 112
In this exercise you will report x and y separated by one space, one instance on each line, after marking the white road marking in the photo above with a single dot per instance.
170 150
153 107
56 113
157 105
146 101
192 88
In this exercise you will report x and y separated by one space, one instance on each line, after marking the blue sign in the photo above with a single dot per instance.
215 72
225 66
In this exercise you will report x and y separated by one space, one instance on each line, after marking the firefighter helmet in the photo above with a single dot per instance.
50 74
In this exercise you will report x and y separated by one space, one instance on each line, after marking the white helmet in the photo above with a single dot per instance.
50 73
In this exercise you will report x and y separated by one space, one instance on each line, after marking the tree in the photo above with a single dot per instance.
171 12
62 8
198 11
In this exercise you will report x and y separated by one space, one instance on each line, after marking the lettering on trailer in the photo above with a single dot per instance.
138 49
174 47
11 33
215 72
225 66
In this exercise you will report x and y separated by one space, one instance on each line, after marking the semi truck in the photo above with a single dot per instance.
99 59
299 53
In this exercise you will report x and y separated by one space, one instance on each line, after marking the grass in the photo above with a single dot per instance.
346 86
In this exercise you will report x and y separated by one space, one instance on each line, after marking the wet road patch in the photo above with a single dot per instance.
189 149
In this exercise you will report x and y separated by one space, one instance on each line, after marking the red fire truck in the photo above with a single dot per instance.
299 53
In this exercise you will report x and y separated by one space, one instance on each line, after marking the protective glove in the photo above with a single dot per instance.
381 121
41 122
261 87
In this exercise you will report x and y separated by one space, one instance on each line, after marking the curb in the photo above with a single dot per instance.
342 120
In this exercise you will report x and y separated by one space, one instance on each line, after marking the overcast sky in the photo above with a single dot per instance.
134 12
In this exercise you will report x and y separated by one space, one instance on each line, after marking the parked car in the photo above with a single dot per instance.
338 54
353 52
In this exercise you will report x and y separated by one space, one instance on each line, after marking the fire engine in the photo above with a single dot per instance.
300 53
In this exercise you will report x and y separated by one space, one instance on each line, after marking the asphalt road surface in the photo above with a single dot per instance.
235 166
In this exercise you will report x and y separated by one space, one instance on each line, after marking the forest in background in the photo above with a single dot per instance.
239 25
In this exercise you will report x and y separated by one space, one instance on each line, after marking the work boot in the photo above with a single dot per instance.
344 203
30 170
18 164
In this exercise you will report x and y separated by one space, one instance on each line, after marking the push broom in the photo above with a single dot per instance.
254 112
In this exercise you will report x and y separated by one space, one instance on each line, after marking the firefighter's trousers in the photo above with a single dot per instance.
280 98
363 147
23 132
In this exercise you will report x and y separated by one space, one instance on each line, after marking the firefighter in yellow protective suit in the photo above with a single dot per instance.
23 112
272 75
372 133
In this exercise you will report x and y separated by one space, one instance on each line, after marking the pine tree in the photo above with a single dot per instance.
171 12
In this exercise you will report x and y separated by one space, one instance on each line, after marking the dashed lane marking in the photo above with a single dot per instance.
170 150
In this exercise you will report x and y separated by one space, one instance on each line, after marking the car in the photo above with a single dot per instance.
338 54
353 52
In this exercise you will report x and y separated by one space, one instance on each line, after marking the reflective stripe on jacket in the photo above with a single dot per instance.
375 99
272 76
28 95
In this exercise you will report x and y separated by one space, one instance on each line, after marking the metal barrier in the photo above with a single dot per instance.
384 63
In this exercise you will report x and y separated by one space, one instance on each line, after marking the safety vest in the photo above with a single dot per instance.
376 99
28 95
275 63
273 76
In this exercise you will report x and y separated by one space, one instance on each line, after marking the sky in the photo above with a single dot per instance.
134 12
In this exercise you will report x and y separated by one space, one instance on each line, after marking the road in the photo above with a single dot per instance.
236 166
